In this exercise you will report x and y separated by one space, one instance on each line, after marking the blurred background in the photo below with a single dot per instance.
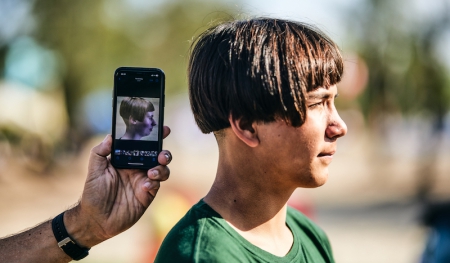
57 60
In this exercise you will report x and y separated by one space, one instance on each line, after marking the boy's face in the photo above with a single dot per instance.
300 156
145 127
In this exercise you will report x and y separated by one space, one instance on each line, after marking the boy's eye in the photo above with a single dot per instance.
315 105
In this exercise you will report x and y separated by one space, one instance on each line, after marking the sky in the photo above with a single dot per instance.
322 13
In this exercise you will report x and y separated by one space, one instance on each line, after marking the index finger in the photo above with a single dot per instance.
166 131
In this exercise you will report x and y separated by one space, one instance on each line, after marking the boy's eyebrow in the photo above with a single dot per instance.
323 94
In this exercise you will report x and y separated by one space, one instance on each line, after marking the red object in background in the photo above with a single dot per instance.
303 204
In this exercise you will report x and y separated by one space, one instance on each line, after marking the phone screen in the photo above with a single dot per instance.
138 113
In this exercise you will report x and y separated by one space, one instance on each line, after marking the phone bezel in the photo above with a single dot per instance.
137 70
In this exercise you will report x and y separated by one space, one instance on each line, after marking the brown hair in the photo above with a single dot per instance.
259 70
135 107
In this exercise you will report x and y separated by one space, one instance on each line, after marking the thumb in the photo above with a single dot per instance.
97 160
104 148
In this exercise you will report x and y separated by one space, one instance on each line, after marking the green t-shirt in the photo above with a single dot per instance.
202 235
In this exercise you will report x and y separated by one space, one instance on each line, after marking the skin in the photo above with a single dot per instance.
260 167
137 129
113 200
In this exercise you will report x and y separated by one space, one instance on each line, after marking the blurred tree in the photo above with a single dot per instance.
406 72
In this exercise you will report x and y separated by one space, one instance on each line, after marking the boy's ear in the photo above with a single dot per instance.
245 130
131 120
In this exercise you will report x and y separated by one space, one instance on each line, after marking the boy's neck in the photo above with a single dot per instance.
252 207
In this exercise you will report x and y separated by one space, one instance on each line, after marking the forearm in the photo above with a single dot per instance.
34 245
39 244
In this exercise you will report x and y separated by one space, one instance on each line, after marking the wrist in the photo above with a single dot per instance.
65 241
80 228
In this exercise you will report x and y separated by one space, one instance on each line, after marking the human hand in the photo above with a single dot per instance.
113 199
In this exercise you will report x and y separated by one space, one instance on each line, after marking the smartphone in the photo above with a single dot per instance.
138 115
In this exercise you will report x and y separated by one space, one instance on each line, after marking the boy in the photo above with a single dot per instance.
266 89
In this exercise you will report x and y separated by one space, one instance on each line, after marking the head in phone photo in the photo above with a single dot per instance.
138 115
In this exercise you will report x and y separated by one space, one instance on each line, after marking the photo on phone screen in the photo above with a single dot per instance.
138 100
137 118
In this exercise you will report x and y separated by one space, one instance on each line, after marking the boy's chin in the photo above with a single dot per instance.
316 180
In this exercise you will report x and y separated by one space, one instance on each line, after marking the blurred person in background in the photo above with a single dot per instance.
137 113
266 89
112 201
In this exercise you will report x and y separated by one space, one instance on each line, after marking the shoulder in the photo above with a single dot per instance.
311 235
302 221
198 237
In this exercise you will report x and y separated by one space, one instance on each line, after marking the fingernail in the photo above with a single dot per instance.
168 157
155 173
147 185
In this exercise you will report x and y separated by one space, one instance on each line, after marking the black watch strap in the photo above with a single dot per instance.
65 242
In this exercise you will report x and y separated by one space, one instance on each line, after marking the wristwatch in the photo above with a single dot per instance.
65 242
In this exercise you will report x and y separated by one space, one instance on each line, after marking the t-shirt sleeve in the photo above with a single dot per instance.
193 239
190 244
177 245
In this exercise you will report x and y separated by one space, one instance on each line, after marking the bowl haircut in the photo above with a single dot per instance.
259 70
135 107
